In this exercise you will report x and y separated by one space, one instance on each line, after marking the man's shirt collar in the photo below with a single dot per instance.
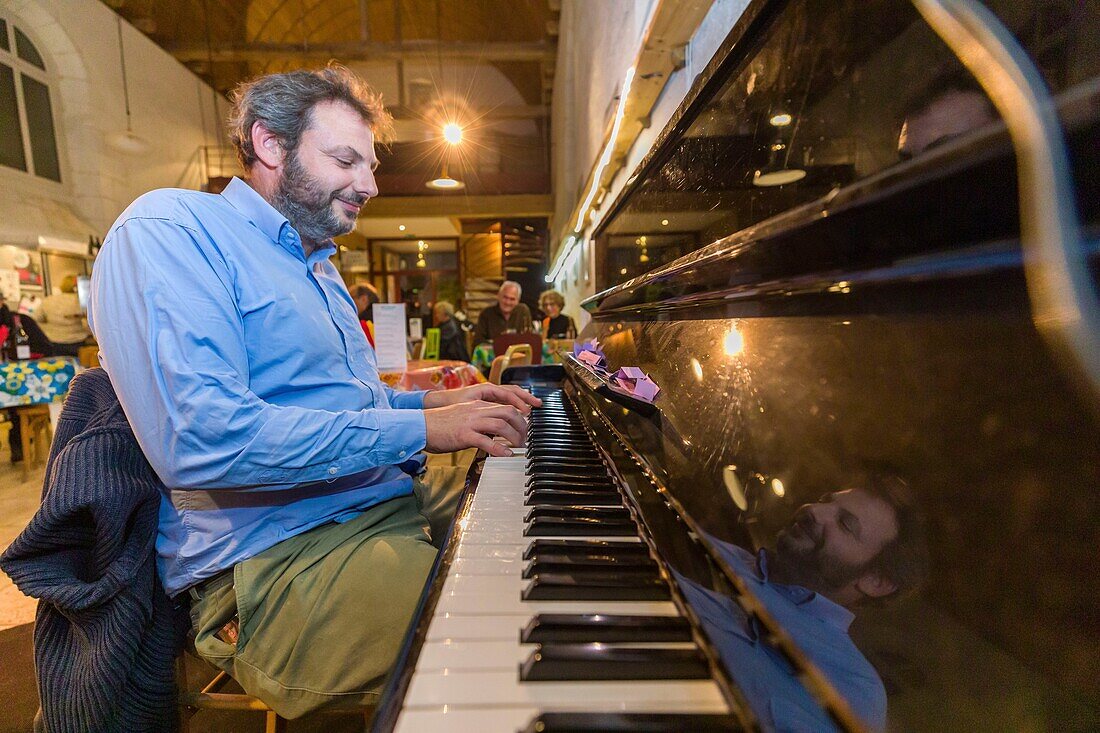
813 603
268 220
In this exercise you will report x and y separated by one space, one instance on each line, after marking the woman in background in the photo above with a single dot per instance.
556 325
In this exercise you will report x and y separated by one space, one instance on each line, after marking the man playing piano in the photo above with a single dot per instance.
293 515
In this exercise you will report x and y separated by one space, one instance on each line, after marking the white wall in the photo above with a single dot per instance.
597 44
171 109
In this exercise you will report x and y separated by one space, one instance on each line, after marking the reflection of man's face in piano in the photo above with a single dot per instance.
830 546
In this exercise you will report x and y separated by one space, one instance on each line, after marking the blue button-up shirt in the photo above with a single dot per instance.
818 626
240 363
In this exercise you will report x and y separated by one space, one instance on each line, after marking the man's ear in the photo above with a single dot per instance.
875 585
269 149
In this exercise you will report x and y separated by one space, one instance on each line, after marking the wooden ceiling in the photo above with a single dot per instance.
227 41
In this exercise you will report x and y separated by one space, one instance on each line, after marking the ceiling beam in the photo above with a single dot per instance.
485 115
408 50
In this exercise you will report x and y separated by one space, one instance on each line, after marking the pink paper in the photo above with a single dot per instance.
590 354
636 383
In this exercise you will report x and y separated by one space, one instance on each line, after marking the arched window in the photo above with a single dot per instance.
28 140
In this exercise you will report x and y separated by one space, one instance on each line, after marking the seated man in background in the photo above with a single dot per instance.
452 339
507 316
861 546
62 318
293 516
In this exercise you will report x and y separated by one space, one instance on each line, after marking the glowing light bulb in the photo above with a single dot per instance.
734 342
400 227
778 488
781 119
452 133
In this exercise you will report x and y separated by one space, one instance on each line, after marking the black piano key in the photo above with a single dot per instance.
591 628
575 512
545 477
594 463
537 451
558 527
557 497
584 547
558 662
540 482
544 567
607 587
632 723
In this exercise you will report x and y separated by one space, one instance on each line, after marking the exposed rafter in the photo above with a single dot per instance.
488 52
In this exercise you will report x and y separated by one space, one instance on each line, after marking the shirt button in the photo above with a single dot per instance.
332 471
401 453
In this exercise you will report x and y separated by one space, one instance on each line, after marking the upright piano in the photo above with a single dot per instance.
830 263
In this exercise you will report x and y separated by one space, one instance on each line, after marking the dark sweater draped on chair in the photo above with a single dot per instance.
104 637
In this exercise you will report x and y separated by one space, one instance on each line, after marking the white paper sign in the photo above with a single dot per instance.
389 337
416 329
9 285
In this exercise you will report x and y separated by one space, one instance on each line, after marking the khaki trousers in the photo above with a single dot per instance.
322 615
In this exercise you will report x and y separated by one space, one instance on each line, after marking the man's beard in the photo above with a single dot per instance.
810 567
307 206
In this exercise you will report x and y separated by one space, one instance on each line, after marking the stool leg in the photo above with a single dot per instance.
25 439
273 723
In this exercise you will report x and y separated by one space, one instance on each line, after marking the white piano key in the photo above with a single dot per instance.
474 689
509 566
448 719
513 605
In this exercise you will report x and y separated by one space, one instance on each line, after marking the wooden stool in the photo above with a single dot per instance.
36 435
211 697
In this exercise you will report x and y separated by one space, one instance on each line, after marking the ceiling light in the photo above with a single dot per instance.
445 182
452 133
400 227
780 119
622 271
777 176
664 222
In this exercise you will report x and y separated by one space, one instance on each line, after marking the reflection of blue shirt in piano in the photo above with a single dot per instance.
241 365
818 626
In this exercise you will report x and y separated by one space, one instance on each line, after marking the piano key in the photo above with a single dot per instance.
560 497
510 627
458 655
583 722
554 662
497 688
605 628
571 512
580 527
563 587
590 565
584 547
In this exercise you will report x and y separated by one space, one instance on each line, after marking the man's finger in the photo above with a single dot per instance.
512 395
490 446
505 430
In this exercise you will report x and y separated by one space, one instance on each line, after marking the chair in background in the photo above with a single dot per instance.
516 355
88 356
36 435
431 344
503 341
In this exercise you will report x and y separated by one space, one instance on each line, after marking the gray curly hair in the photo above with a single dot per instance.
284 104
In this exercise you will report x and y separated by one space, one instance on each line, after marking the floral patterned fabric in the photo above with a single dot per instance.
35 381
429 374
